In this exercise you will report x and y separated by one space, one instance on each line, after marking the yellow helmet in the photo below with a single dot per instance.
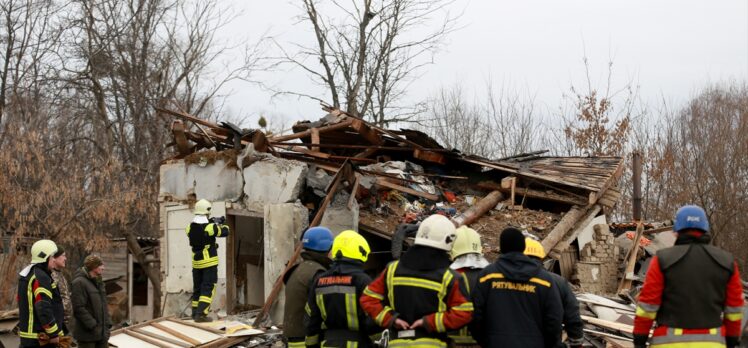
202 207
534 248
467 241
351 245
41 250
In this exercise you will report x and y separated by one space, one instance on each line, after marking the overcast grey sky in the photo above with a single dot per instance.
668 47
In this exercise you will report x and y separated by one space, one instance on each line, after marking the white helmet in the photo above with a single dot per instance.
202 207
436 231
41 250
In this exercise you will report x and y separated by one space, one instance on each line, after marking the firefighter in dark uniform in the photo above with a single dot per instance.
516 304
692 290
468 259
573 324
419 298
202 233
333 297
315 259
40 308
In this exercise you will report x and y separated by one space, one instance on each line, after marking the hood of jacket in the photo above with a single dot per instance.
82 273
518 267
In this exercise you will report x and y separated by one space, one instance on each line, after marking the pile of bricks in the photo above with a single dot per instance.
597 269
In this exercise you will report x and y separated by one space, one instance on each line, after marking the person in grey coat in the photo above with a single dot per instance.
92 321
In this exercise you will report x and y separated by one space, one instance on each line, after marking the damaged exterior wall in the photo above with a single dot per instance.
268 186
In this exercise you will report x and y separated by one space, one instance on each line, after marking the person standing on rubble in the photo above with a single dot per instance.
572 321
335 317
468 259
692 290
92 321
516 302
419 298
316 242
40 309
60 259
202 233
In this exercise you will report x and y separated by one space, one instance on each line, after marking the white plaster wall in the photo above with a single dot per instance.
215 182
272 181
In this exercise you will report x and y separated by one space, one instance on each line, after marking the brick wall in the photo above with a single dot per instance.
597 269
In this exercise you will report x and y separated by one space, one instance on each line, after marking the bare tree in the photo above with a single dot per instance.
367 52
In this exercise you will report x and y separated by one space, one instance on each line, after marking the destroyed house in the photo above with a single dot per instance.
345 173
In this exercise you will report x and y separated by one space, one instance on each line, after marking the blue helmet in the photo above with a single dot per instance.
317 239
691 217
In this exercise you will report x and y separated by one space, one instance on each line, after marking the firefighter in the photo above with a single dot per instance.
692 290
333 297
468 259
202 233
316 242
40 308
573 324
516 304
419 298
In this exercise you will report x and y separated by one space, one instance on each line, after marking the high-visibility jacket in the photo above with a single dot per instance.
40 307
693 291
203 243
438 296
463 337
335 318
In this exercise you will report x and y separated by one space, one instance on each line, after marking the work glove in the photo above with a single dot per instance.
65 342
218 220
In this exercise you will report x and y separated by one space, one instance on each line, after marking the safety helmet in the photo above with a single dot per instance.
436 231
317 239
351 245
202 207
467 241
41 250
691 217
534 248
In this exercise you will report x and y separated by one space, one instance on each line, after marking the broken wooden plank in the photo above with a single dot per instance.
536 194
157 336
176 333
315 139
195 325
383 182
625 285
608 324
308 132
478 209
429 156
362 128
180 138
354 190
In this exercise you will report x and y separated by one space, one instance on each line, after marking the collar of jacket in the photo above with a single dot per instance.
686 238
88 276
345 266
316 256
419 257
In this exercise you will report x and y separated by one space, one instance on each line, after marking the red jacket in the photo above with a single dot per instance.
651 302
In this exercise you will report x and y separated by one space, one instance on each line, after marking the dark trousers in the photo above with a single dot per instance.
203 288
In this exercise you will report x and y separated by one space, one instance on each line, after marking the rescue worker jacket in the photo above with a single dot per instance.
203 243
419 289
516 305
462 336
298 280
40 307
573 324
333 304
693 291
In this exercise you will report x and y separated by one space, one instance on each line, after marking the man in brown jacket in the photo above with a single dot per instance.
317 242
92 321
